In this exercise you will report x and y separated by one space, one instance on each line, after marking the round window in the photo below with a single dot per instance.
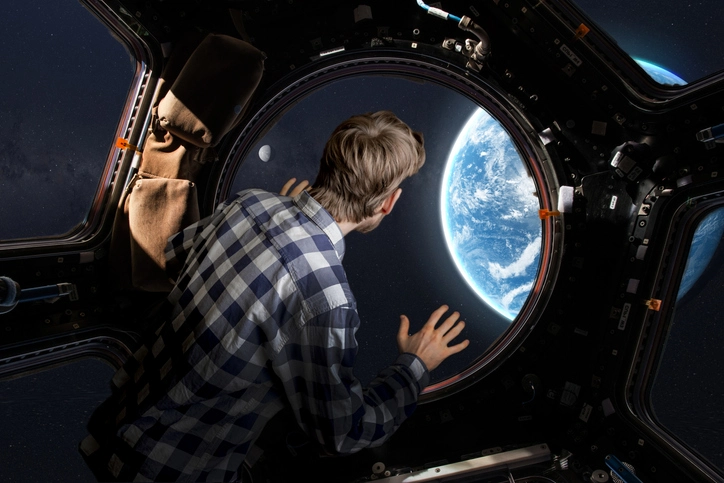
466 231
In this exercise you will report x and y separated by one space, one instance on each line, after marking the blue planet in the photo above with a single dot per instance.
703 245
490 215
660 75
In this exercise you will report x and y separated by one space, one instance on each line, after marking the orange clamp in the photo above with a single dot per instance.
543 214
653 304
581 32
124 144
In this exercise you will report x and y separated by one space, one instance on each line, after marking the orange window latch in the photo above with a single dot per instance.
543 214
124 144
653 304
581 32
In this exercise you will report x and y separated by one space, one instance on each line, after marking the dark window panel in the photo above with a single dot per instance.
64 84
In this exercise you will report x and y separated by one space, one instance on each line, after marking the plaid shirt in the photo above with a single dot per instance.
262 317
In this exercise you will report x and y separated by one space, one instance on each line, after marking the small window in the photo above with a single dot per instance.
687 394
44 418
674 42
466 231
63 88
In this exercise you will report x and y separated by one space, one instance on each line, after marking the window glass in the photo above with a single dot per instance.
674 41
687 395
44 417
63 87
465 231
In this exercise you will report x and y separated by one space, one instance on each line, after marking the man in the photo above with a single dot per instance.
262 319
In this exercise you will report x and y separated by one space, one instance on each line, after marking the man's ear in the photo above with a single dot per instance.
390 201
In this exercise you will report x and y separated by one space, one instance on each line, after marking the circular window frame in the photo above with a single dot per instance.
301 82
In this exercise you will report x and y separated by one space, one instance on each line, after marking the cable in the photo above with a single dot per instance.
482 49
438 12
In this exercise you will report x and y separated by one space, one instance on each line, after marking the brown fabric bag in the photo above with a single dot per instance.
206 98
159 206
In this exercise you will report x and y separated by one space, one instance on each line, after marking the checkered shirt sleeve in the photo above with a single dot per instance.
329 402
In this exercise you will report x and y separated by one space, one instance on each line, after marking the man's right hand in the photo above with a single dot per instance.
430 344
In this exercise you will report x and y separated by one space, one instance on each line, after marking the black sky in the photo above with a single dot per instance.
63 85
683 36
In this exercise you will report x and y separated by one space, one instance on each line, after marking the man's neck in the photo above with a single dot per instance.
347 226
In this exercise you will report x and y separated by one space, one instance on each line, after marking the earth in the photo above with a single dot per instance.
703 245
490 215
661 75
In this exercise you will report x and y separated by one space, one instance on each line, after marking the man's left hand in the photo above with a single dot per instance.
297 189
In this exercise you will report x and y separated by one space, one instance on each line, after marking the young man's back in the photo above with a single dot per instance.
262 318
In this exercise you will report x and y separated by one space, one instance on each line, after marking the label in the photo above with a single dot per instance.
436 12
585 413
633 285
635 173
569 53
362 12
73 293
570 394
624 316
614 199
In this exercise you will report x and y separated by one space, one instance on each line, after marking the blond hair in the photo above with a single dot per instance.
365 161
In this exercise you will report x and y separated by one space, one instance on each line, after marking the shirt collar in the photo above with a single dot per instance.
323 220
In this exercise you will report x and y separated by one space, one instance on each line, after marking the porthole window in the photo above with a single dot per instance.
466 231
64 84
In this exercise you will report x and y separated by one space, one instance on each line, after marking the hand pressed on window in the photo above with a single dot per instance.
431 344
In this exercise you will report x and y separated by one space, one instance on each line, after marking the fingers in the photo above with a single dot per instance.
404 330
403 334
299 188
453 332
435 316
449 322
287 185
458 347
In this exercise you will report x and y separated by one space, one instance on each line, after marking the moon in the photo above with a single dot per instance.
265 153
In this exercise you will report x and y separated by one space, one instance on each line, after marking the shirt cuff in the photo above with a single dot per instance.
417 367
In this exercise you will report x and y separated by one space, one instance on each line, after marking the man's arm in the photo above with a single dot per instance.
329 402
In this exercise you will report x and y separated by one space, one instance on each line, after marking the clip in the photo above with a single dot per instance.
581 32
653 304
543 214
124 144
